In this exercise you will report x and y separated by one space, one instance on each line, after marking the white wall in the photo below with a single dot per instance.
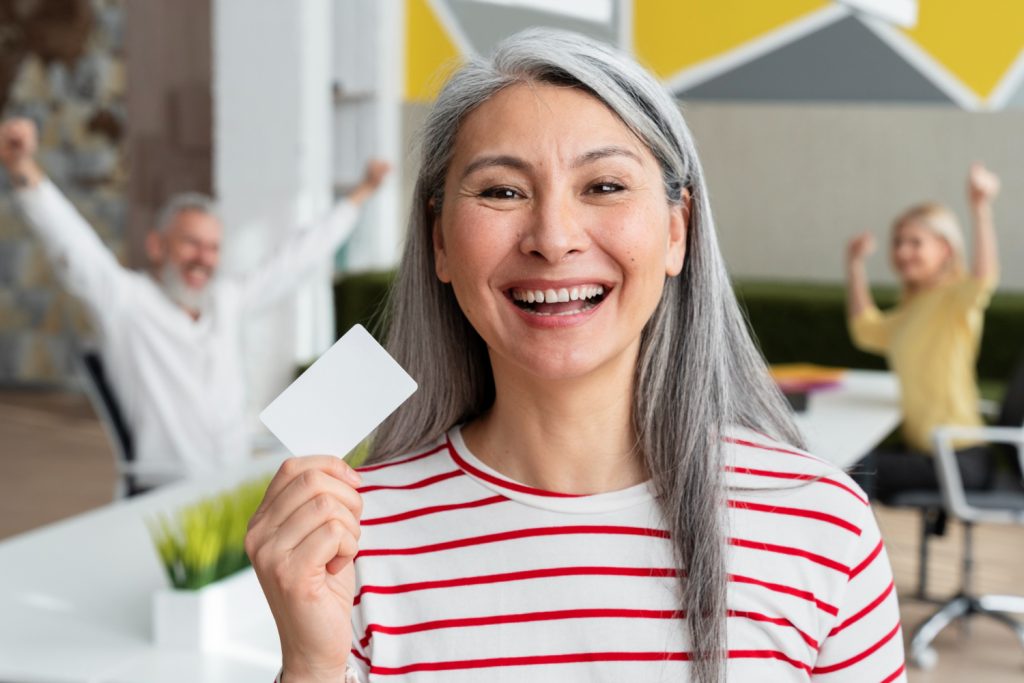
272 166
369 53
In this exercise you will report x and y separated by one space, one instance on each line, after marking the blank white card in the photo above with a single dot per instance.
340 399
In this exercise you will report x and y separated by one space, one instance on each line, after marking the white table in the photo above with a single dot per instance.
75 601
843 423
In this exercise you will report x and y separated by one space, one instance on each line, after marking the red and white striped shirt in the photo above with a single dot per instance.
464 575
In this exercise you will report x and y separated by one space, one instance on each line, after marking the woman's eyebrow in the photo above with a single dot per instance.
603 153
505 160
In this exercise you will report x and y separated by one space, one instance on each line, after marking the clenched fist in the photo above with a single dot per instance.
982 184
18 144
861 246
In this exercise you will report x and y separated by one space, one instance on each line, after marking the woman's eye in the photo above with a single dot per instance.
605 188
500 193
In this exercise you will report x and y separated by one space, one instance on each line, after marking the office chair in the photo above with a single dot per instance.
1007 413
1000 505
105 403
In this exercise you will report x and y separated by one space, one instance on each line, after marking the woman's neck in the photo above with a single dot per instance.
567 435
912 289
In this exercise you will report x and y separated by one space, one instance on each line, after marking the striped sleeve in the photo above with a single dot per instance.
865 642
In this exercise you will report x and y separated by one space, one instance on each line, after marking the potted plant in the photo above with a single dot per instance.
202 550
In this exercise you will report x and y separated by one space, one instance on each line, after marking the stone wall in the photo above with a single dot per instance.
63 66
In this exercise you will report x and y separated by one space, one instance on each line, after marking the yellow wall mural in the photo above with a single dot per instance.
973 52
671 36
429 52
977 41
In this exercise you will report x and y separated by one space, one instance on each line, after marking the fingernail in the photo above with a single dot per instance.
352 476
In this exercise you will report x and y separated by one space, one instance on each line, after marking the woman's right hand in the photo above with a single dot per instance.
858 248
302 541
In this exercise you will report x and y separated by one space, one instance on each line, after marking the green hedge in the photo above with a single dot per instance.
360 299
793 322
800 322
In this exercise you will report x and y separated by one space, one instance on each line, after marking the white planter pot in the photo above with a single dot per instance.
208 618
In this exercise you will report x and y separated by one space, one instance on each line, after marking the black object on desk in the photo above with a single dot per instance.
797 400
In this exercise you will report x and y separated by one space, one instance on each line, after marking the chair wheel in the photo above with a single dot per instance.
926 659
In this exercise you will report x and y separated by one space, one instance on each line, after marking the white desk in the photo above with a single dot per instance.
75 601
842 424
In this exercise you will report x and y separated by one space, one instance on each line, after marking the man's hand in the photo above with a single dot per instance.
376 171
373 176
18 144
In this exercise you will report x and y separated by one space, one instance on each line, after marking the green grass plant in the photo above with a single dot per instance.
205 541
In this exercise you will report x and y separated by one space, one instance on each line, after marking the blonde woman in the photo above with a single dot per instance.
931 338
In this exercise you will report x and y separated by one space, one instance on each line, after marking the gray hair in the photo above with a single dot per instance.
698 374
185 201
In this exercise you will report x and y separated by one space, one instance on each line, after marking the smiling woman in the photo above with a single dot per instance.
597 479
547 204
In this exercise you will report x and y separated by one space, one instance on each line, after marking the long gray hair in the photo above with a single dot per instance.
698 371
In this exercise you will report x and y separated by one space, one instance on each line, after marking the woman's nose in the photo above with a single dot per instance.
557 229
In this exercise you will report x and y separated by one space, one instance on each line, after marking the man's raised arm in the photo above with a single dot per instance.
82 262
285 269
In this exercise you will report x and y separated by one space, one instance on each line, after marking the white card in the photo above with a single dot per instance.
340 399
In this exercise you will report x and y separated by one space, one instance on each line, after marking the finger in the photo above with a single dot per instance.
307 486
295 467
330 543
313 514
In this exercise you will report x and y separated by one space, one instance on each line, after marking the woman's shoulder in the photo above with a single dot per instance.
398 469
766 468
788 508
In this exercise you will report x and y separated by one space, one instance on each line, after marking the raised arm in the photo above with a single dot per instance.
982 188
858 292
82 262
304 247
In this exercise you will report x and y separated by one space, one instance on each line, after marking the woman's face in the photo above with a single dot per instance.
919 256
555 232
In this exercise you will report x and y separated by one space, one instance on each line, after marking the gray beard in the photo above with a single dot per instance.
174 286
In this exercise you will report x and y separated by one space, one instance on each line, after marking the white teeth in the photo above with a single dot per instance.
540 296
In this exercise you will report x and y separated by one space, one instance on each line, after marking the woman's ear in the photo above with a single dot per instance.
678 227
437 237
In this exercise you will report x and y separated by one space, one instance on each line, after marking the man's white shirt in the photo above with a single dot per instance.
179 381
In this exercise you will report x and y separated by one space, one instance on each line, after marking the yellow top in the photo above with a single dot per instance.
931 342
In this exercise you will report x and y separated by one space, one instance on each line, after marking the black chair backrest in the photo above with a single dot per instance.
1011 414
94 366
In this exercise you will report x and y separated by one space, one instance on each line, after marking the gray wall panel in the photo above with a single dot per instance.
844 61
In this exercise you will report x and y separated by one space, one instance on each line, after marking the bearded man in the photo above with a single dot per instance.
170 338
